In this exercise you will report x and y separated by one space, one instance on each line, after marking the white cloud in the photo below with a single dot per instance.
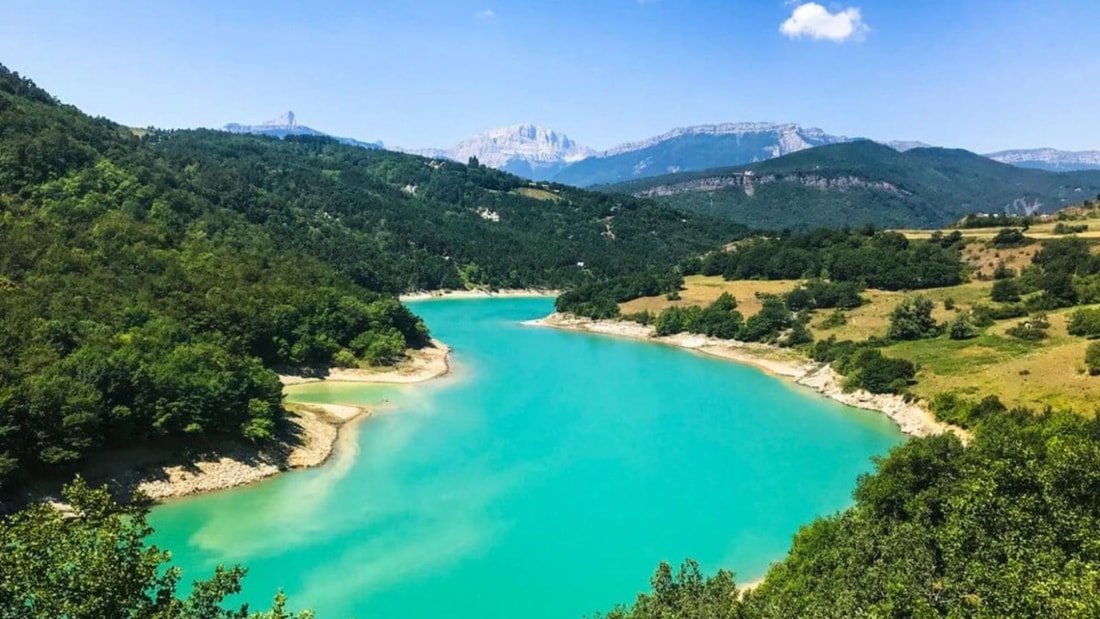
812 20
486 14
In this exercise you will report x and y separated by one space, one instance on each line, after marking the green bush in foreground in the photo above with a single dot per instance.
96 564
685 594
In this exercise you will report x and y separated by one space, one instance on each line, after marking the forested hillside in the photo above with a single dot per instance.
398 222
866 183
134 309
148 285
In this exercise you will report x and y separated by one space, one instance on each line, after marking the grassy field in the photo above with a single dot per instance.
1039 231
1021 373
537 194
702 290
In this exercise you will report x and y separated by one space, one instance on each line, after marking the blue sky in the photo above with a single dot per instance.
978 74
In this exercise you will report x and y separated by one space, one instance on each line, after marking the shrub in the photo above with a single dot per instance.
1033 329
912 320
1003 272
964 413
670 321
1092 358
719 319
984 316
820 294
962 328
772 319
798 335
1085 323
344 358
834 352
835 319
1009 237
1005 291
949 304
871 370
1061 228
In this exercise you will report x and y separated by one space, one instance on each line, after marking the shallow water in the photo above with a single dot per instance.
545 477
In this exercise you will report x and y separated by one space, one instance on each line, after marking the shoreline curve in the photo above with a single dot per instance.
427 295
313 434
912 418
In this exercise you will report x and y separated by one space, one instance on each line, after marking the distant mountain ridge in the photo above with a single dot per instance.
1049 159
862 182
287 124
698 147
539 153
903 145
526 150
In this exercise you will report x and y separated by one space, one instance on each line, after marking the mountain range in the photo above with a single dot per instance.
694 148
530 151
1050 159
862 181
539 153
287 124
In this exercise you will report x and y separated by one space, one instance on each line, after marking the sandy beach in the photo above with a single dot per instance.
913 418
312 434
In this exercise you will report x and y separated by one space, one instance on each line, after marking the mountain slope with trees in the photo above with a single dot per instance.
864 182
148 284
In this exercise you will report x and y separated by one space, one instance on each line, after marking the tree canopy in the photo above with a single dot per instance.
94 561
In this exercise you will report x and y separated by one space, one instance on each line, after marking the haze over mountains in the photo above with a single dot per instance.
286 124
538 153
1050 159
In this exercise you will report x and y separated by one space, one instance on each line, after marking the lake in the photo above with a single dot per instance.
546 476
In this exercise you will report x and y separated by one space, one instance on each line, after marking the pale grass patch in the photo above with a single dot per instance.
702 290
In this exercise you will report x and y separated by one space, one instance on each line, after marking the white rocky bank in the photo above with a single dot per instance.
913 418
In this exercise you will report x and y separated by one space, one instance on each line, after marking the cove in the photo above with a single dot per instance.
546 476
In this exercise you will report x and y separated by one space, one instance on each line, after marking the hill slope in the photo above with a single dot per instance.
694 148
148 285
865 182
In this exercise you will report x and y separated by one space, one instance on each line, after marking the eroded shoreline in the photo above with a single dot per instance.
478 294
912 418
312 435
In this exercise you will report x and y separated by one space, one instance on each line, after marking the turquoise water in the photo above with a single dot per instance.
545 477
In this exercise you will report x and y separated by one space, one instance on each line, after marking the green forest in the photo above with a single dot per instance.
864 182
149 285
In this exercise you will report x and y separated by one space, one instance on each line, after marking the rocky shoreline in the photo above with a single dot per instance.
913 418
478 294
